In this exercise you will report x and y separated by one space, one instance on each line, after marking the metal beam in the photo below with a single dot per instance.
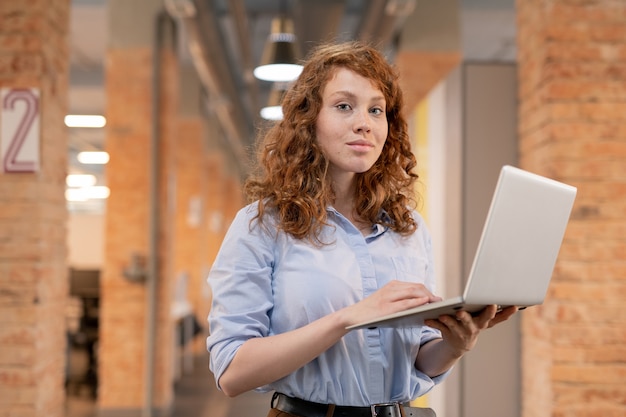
210 59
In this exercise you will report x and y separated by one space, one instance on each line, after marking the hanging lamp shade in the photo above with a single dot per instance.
281 54
274 108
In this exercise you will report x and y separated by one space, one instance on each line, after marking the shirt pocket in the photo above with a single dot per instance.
410 268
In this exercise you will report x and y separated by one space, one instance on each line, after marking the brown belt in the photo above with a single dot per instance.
303 408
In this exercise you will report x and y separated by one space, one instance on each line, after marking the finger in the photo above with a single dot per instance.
490 311
453 322
503 315
483 320
420 290
406 303
403 290
465 318
509 311
442 322
435 324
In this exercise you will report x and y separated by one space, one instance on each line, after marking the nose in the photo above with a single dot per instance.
361 123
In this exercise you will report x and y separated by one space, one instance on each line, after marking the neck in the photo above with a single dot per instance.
343 187
344 204
344 196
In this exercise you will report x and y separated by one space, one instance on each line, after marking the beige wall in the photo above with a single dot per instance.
490 372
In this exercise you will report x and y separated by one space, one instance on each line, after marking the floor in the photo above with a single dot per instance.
195 395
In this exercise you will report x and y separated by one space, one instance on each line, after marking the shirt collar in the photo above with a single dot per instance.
378 228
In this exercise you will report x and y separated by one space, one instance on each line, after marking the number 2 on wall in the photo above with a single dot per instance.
19 135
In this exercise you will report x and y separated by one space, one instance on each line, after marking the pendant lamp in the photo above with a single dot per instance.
281 54
274 109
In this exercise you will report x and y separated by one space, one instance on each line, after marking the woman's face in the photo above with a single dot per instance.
352 124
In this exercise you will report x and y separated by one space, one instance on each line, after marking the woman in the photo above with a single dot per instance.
332 239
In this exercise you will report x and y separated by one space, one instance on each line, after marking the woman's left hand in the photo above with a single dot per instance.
461 332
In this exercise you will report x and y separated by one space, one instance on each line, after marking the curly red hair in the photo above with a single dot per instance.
291 178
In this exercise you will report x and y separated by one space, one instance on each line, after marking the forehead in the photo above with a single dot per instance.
345 79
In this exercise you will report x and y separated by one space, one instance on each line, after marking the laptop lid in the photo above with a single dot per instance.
516 253
520 240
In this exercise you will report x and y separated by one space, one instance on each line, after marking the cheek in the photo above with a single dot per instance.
385 130
382 134
326 136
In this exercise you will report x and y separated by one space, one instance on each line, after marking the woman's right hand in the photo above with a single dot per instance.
393 297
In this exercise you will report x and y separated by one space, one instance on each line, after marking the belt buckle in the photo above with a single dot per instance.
395 404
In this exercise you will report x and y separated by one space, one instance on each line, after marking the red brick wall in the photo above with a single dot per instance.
200 176
33 271
572 89
190 179
122 305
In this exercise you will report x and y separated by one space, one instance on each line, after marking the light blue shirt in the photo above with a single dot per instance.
267 283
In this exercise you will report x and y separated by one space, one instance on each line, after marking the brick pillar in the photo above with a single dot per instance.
200 188
223 198
33 270
124 338
233 199
223 193
122 305
572 126
216 217
189 231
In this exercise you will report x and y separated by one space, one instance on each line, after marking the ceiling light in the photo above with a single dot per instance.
274 109
93 157
272 113
80 180
280 55
99 192
85 120
75 194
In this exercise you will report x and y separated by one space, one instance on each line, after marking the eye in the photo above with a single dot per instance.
377 111
343 106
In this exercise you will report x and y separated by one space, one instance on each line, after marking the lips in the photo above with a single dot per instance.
360 144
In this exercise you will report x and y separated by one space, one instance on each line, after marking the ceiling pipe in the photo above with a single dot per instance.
208 57
382 19
317 21
374 12
240 18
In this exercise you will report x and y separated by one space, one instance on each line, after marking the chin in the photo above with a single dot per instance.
365 167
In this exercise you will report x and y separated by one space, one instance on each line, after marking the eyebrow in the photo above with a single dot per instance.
353 96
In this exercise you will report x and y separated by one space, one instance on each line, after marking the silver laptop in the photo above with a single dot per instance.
516 253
